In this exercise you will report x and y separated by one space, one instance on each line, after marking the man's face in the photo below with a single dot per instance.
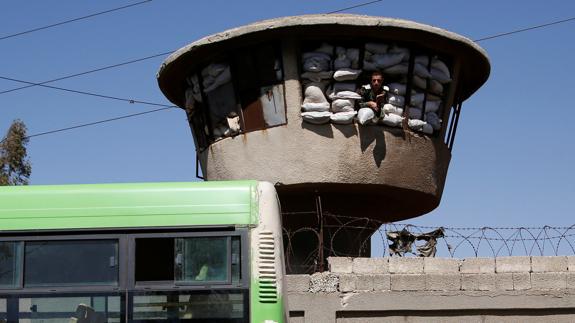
376 82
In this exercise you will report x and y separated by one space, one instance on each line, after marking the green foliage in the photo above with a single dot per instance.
15 168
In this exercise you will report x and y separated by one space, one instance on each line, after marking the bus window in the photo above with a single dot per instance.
10 264
70 263
202 259
57 309
154 259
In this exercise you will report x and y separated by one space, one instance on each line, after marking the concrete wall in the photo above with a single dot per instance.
505 289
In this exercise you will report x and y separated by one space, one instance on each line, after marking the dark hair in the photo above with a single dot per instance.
377 73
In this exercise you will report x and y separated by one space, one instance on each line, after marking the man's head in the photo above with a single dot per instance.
376 80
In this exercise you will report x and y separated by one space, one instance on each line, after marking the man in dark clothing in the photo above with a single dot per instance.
374 97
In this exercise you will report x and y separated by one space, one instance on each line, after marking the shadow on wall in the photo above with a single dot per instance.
322 130
367 135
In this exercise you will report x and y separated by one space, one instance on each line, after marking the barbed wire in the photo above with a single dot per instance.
308 247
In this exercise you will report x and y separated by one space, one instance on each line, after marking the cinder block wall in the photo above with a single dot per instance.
396 289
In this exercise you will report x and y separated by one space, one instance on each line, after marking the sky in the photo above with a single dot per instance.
513 156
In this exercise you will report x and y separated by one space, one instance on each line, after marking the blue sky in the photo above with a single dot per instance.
513 157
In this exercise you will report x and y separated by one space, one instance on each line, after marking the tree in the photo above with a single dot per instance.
15 168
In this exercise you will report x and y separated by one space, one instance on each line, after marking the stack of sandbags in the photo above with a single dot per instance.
317 63
215 75
219 90
315 107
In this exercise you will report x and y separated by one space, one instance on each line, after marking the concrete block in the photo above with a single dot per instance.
382 282
477 266
571 263
548 264
478 281
545 281
402 282
364 283
443 281
370 265
440 265
406 265
340 265
571 280
521 281
520 264
297 283
347 282
504 281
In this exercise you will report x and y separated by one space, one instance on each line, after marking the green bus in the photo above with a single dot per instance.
153 252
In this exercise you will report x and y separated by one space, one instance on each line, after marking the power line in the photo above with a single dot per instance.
88 93
525 29
73 20
353 7
86 72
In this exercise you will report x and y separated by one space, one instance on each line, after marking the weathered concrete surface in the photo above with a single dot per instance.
482 295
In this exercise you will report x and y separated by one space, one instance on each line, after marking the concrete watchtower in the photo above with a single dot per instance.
275 101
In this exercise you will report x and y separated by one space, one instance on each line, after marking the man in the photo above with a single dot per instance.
374 97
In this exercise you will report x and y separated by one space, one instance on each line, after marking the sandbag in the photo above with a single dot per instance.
440 76
392 109
314 94
391 120
433 120
343 117
399 50
318 55
365 116
435 87
417 99
397 88
343 86
317 76
419 82
316 64
353 55
318 107
396 99
439 65
421 71
325 48
422 59
397 69
420 125
386 60
432 106
195 85
415 113
341 62
316 117
376 48
342 105
369 66
431 97
212 82
344 95
346 74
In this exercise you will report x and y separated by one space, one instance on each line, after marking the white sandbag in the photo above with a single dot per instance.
397 88
365 116
397 69
317 107
325 48
317 76
353 55
439 65
435 87
344 95
342 105
417 99
391 120
343 117
432 106
316 117
343 86
399 50
392 109
396 99
346 74
433 120
386 60
440 76
415 113
314 94
376 48
421 71
420 125
422 59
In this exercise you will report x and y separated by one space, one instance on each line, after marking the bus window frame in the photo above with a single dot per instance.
126 259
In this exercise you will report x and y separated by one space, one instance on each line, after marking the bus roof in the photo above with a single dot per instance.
142 205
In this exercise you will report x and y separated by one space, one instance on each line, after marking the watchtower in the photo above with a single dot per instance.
275 100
